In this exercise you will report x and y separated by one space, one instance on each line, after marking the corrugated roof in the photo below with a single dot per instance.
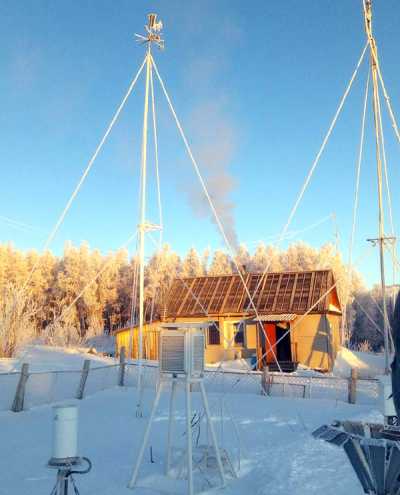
275 293
278 317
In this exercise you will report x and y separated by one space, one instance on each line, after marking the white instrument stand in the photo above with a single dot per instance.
188 382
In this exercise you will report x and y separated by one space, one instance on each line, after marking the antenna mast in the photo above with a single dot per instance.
153 35
381 240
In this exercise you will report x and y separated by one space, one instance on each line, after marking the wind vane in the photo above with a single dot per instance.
154 34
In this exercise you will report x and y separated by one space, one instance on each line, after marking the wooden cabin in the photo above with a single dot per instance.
300 317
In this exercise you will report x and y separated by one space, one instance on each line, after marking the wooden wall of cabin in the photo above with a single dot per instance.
150 342
315 341
213 352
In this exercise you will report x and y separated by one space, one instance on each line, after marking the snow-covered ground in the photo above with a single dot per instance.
279 455
233 364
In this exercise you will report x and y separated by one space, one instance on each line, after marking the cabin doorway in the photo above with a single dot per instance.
274 335
283 348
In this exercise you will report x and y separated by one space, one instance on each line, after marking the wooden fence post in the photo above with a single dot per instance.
122 366
352 396
18 403
266 381
82 383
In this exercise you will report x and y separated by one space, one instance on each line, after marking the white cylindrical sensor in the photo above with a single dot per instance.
65 432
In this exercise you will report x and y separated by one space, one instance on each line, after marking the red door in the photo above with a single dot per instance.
270 340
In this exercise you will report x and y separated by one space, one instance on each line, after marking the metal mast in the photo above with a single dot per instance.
381 239
153 29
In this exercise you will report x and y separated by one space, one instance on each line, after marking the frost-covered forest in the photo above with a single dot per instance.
65 300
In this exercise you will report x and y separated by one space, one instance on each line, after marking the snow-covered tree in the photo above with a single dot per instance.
299 256
163 267
220 264
191 265
266 257
243 258
17 322
205 258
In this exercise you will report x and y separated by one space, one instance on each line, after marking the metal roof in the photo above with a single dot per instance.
280 317
274 293
189 325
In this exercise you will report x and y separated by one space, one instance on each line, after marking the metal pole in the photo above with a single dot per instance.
142 227
170 426
222 400
62 482
212 431
189 437
139 460
381 237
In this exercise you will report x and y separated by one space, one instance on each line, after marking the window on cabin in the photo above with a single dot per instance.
239 334
214 337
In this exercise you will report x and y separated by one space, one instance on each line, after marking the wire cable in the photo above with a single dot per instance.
368 316
356 202
210 202
86 171
154 118
385 167
291 234
315 162
385 93
388 192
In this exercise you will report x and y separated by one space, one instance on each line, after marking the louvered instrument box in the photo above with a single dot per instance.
182 349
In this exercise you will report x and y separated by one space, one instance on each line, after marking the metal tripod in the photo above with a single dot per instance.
64 477
61 487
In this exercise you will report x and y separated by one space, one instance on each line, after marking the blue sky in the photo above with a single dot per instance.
255 86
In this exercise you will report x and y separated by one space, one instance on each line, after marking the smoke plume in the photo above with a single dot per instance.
214 139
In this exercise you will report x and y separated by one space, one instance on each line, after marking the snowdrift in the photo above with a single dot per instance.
369 365
48 358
